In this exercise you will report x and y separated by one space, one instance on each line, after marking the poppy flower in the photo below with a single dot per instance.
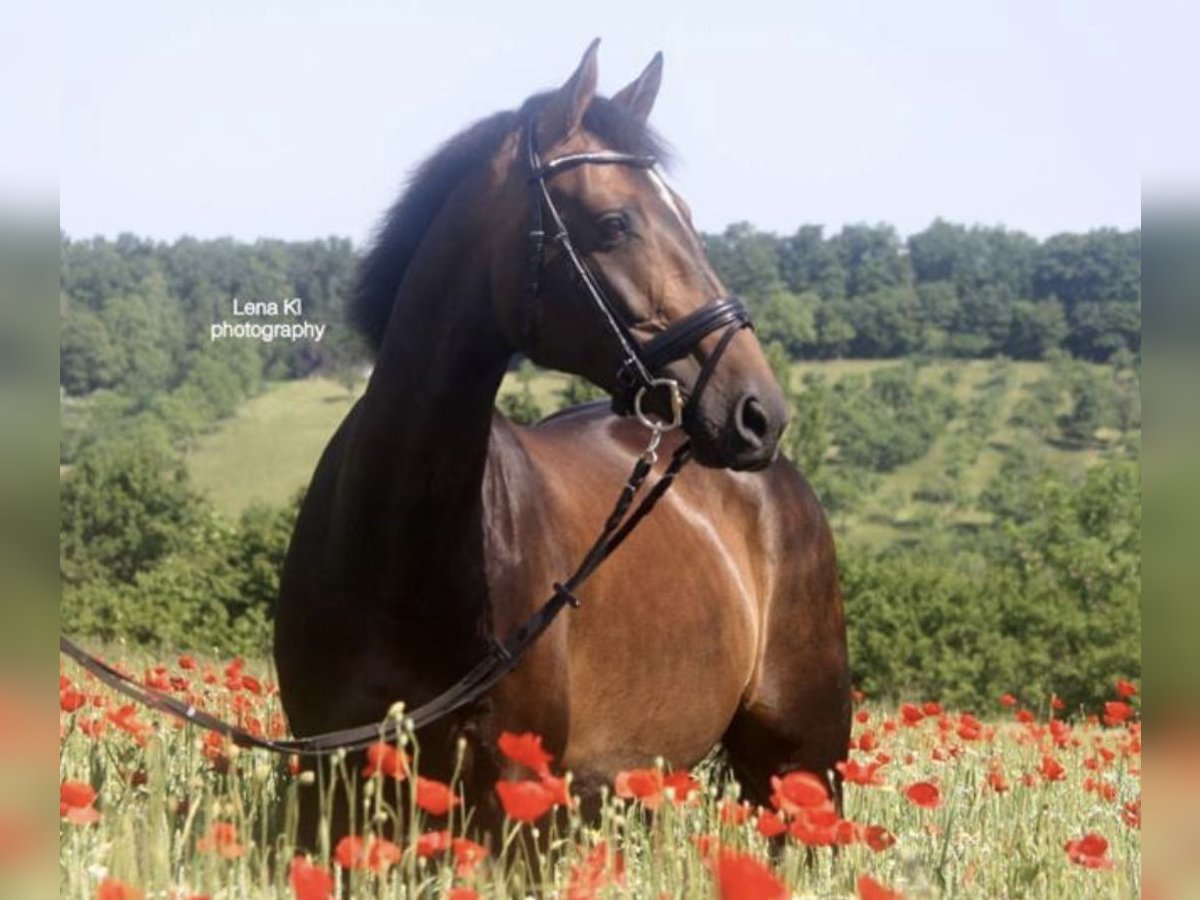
557 789
309 881
524 801
75 799
1056 702
435 797
350 852
589 877
856 773
386 760
924 794
932 708
742 877
221 839
878 838
1126 689
1131 813
733 813
526 750
797 791
467 854
645 785
462 893
70 699
862 717
432 843
769 824
1008 700
870 889
1051 769
1090 851
911 714
381 854
996 781
111 889
187 662
681 783
1116 712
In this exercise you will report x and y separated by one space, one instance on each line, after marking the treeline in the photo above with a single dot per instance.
136 318
949 290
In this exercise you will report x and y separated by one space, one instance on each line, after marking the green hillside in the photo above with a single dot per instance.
268 450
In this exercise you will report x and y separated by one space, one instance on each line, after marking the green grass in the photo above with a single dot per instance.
176 814
269 449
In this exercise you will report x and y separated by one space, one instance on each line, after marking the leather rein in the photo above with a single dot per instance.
638 374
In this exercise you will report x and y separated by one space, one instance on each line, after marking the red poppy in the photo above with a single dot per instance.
187 662
386 760
742 877
467 854
862 717
75 799
1126 689
435 797
681 783
797 791
924 794
350 852
432 843
524 801
996 781
969 728
309 881
1131 813
69 699
878 838
1051 769
645 785
769 824
111 889
525 749
911 714
462 893
381 854
1091 851
932 708
1116 712
1056 702
731 812
589 877
866 741
1008 700
557 789
222 838
1025 717
857 773
870 889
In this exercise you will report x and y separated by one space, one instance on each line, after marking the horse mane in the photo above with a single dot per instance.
401 230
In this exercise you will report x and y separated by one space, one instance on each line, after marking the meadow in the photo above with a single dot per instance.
1023 799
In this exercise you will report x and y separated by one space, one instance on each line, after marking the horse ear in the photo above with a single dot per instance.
565 109
639 95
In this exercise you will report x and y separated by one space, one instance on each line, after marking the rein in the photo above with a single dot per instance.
502 657
636 373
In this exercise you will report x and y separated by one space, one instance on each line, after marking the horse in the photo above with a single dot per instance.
432 524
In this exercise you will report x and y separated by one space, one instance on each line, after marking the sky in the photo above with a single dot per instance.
299 120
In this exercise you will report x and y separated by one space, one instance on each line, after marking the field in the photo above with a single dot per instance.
1020 802
269 449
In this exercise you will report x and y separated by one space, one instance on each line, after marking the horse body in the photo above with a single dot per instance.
433 525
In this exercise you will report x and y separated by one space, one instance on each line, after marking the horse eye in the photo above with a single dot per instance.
613 227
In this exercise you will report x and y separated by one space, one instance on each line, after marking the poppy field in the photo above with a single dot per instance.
1025 799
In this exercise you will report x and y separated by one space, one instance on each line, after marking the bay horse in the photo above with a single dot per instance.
432 523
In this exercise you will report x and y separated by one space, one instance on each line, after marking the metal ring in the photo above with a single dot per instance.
676 395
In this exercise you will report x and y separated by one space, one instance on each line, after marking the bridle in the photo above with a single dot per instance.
637 375
639 371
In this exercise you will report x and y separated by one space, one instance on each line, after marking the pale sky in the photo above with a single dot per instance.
300 119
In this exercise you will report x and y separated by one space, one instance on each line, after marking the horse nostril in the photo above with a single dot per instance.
752 424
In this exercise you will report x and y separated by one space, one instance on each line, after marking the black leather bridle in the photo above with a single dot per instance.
639 371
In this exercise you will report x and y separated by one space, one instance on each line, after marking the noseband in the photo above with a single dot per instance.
639 372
